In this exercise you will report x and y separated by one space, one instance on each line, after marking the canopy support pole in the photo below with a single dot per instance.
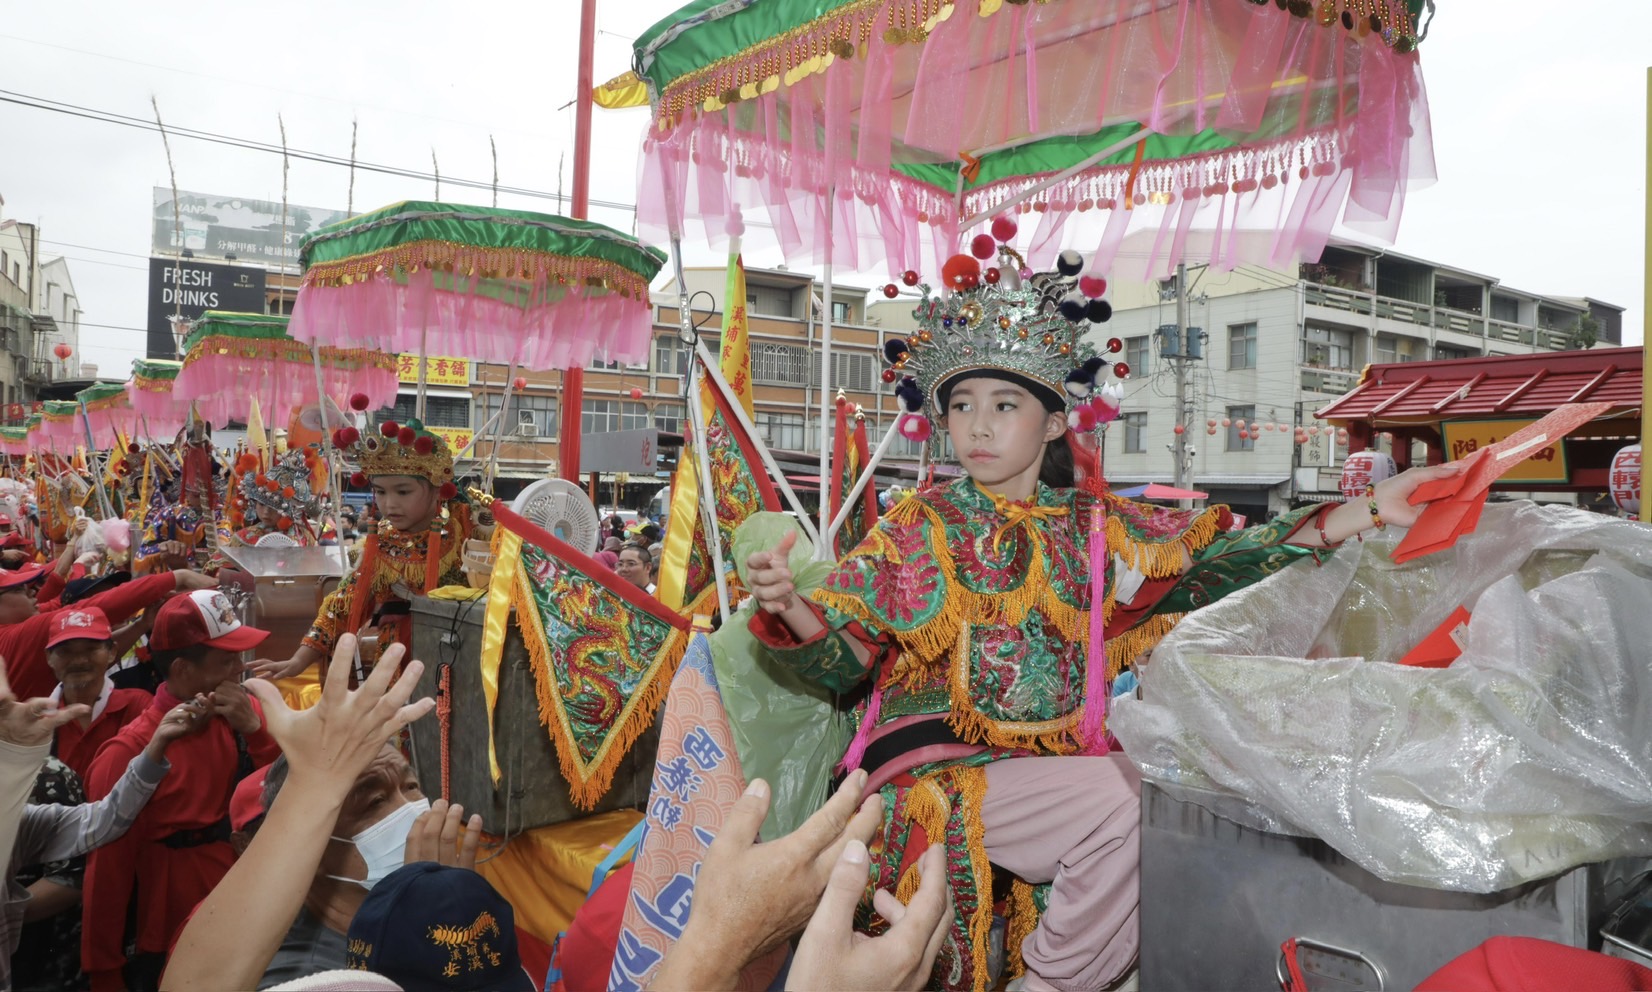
708 494
91 453
823 549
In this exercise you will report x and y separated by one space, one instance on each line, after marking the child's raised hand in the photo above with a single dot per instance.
769 574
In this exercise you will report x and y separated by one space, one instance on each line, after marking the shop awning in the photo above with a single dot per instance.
1506 385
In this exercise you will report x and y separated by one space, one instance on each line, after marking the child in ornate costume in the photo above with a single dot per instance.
964 626
280 501
416 546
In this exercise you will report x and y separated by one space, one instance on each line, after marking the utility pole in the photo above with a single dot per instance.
1180 361
1181 346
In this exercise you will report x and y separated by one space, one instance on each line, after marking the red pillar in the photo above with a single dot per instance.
573 380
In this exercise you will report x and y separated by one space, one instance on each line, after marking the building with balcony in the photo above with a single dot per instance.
39 310
1273 345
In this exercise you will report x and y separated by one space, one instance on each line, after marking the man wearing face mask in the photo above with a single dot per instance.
178 848
386 822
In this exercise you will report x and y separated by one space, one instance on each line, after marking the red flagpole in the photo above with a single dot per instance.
573 380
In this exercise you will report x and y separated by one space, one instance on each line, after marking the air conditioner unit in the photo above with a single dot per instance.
527 428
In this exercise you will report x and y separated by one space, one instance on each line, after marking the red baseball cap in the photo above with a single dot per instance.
14 577
204 616
78 623
247 803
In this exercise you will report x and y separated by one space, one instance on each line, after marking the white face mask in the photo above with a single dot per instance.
383 846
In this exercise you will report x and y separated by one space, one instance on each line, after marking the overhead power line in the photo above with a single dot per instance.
247 144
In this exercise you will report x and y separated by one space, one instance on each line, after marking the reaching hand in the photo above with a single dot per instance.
770 575
230 701
1393 495
32 723
750 898
269 668
435 837
832 956
330 743
182 720
188 581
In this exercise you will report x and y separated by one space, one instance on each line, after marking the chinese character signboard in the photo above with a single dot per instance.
457 438
1624 479
1547 466
1364 468
440 370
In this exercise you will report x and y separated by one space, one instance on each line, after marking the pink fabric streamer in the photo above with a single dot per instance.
1097 687
869 721
1181 66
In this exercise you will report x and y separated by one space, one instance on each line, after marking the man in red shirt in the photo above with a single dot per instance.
178 849
23 628
80 650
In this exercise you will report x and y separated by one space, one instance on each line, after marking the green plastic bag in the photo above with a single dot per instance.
788 732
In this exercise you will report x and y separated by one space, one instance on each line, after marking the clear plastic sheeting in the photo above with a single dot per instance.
1531 754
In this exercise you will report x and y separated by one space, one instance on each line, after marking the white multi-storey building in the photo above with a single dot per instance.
1273 345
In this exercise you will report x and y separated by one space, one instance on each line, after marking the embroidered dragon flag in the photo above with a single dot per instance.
850 455
697 778
688 578
602 652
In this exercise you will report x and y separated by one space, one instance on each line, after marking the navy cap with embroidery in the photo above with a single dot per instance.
436 928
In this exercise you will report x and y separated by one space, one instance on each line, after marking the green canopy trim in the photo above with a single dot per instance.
712 53
60 411
104 396
1050 155
155 375
482 242
250 326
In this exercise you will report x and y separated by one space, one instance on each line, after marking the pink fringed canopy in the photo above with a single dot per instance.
109 412
232 359
495 285
1225 131
157 413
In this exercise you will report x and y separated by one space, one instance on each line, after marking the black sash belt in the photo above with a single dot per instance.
199 837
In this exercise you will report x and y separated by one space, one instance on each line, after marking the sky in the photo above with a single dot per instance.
1538 122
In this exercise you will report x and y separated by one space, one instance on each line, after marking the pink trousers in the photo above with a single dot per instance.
1074 822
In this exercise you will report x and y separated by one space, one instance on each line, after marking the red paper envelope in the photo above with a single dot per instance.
1490 463
1442 647
1454 504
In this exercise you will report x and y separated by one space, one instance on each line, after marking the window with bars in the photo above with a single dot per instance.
1242 345
779 363
439 411
855 371
1135 432
526 408
1236 414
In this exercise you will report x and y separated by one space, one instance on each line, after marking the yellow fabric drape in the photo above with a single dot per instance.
507 555
545 873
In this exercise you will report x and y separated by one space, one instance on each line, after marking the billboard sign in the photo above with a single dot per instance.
215 226
190 288
620 451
